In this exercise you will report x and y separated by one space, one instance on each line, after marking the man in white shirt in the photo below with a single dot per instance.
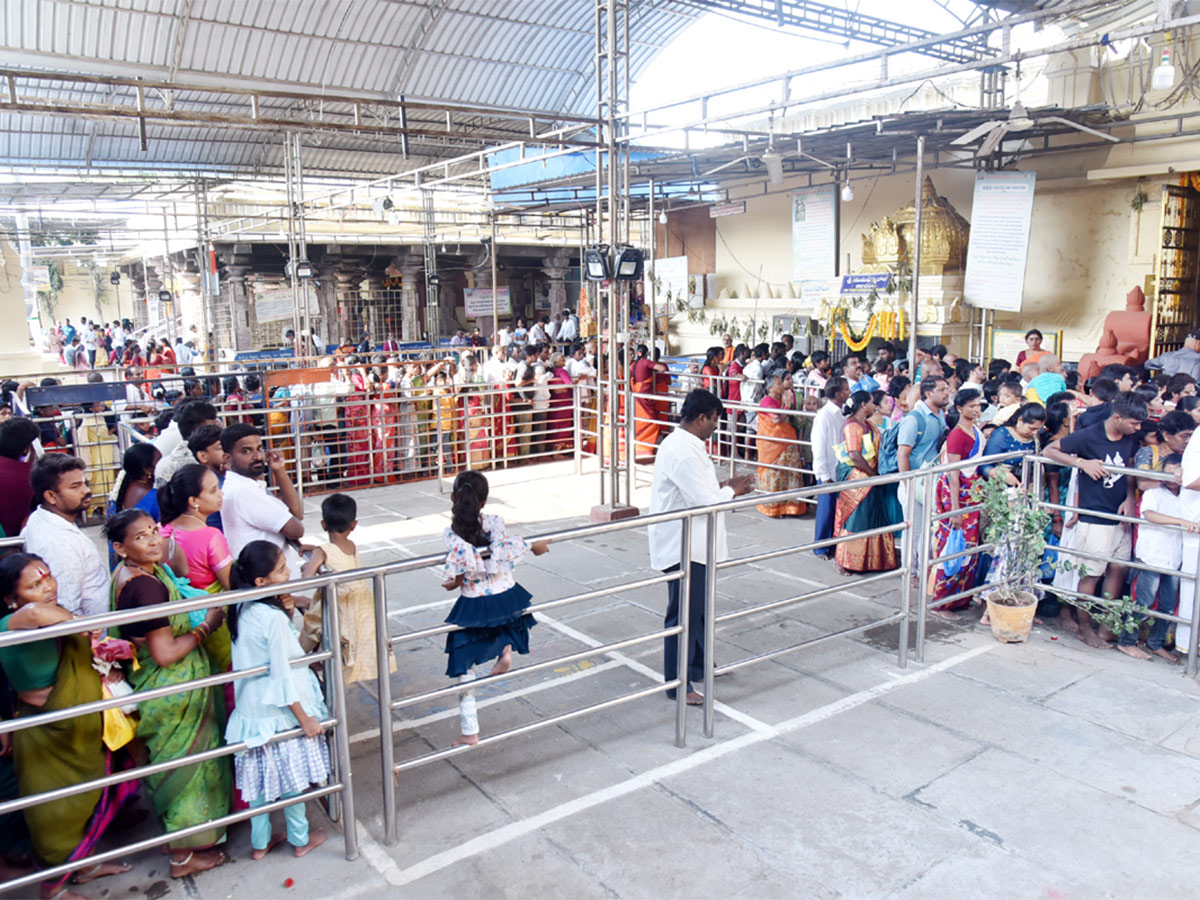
826 434
91 340
504 337
248 512
60 486
493 369
570 327
577 366
684 477
538 333
555 327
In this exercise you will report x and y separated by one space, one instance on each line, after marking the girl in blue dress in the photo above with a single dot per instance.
283 699
492 608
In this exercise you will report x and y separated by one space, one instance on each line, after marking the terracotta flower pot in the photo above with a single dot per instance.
1011 624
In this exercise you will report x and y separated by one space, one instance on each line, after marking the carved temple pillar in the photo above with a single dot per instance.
556 269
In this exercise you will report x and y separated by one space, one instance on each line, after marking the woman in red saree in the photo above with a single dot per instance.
778 454
358 425
560 422
649 414
964 441
863 509
477 429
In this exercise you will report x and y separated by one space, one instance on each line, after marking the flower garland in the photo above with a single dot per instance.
858 344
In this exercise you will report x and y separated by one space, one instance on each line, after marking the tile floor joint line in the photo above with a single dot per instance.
505 834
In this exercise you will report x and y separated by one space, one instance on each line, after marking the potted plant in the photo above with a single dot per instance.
1017 528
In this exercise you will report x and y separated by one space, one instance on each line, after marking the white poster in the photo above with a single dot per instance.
276 304
672 275
478 302
814 232
999 244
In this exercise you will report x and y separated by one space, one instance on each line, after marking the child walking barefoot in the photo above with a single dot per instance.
278 700
491 609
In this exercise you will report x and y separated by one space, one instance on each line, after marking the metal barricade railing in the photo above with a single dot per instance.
1133 564
340 787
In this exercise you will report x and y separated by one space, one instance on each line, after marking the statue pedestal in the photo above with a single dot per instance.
941 314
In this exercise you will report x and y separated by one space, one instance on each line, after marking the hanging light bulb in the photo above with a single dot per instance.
1163 78
662 217
847 190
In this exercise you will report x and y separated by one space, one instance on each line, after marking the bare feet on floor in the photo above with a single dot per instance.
316 837
695 698
1089 637
100 870
467 740
504 663
197 861
1167 655
1067 621
946 614
276 840
1135 651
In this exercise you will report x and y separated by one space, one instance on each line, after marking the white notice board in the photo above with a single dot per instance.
672 275
999 244
814 232
478 302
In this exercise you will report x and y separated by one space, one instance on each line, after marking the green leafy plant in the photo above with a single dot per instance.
1018 528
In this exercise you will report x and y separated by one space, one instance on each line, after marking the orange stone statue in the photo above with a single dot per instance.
1125 340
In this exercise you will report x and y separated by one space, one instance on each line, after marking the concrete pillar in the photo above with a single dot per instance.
483 281
17 353
412 274
348 276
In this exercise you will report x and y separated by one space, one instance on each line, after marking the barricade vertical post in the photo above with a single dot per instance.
681 657
731 419
387 749
710 619
924 539
441 461
299 458
906 572
578 416
341 732
1192 642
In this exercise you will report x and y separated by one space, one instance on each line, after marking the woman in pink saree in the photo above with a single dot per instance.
560 423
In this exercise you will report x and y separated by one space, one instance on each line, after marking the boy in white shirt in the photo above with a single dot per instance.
1162 547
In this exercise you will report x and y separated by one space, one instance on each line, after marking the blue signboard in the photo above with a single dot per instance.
864 284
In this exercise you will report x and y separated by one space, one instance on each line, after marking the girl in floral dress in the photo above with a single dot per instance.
491 611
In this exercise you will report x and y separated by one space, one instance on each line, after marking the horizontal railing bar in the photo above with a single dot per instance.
134 774
96 706
539 607
802 598
167 837
537 667
970 551
535 726
845 632
811 545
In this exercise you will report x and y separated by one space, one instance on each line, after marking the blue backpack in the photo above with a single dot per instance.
889 446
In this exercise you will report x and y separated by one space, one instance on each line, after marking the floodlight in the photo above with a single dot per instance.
596 266
629 264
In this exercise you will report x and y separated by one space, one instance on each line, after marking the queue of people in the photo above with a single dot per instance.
162 553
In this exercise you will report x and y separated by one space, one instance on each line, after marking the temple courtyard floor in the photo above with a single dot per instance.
1044 769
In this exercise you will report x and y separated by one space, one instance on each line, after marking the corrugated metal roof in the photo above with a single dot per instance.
521 54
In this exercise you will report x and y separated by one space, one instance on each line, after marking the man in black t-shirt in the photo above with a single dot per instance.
1113 442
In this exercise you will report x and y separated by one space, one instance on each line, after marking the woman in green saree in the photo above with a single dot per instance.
46 676
171 651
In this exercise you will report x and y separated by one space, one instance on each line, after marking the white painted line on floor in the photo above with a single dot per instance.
507 833
376 855
405 724
738 716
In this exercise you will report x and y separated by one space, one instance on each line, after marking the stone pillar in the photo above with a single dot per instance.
556 269
137 296
237 295
348 277
151 285
327 328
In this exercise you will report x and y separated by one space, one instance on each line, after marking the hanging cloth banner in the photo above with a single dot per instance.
998 248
